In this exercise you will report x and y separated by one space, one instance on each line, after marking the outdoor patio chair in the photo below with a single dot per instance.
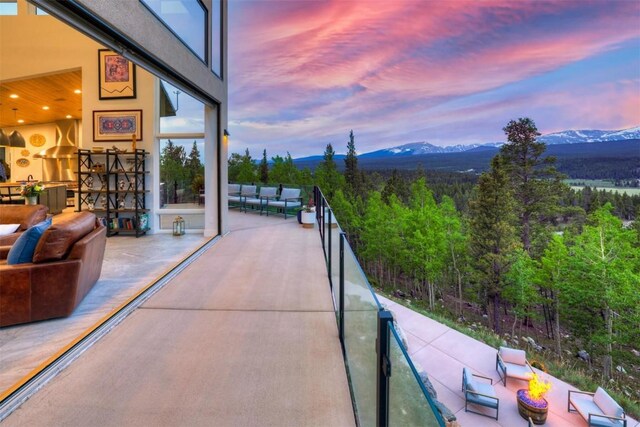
513 363
598 409
246 192
233 195
262 199
289 199
479 393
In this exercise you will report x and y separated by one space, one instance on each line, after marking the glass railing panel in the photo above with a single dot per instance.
335 231
408 403
360 330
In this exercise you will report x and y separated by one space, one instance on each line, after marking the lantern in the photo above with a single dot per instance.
178 226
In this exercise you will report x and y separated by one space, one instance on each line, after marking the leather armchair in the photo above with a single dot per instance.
25 215
67 262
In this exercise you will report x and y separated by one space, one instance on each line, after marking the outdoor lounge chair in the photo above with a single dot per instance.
479 393
262 199
246 192
597 409
289 199
511 362
233 195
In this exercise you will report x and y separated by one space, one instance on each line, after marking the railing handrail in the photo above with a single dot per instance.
382 418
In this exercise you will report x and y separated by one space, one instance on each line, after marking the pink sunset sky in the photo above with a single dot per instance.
303 73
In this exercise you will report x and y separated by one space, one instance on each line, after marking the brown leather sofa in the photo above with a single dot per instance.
66 264
25 215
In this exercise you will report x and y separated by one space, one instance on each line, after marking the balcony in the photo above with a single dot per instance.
253 331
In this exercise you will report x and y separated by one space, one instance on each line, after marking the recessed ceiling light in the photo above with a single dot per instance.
20 121
77 91
45 107
68 116
13 95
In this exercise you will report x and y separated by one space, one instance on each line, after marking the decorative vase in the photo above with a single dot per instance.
31 200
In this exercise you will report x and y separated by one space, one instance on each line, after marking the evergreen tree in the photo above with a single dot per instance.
351 173
493 237
395 185
327 176
172 169
284 171
264 168
535 181
246 168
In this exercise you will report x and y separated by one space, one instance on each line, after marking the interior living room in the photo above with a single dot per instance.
85 124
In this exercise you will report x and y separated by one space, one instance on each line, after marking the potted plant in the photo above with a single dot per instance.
30 192
308 214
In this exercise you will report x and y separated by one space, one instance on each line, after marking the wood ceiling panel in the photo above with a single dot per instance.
55 91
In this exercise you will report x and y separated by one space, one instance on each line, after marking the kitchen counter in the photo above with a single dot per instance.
54 196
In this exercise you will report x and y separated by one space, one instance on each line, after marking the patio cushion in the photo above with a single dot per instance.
607 405
483 388
289 193
233 198
512 355
234 189
281 204
519 371
248 190
262 197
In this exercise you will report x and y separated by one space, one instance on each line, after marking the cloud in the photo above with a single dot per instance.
303 74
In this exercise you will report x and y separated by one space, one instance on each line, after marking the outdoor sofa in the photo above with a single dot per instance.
598 409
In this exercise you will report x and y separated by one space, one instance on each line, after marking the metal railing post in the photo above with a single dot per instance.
341 305
322 226
329 251
383 368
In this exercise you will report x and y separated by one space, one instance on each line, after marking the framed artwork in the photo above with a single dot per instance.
117 76
117 125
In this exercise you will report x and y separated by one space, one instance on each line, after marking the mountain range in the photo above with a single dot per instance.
564 137
589 154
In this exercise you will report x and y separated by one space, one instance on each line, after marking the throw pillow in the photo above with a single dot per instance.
22 250
6 229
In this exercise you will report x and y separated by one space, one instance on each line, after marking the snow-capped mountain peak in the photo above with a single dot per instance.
590 135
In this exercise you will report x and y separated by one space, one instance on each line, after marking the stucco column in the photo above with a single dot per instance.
212 137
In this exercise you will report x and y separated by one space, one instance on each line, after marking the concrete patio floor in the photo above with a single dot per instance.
443 352
246 335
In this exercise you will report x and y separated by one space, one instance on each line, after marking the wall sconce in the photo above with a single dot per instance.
225 136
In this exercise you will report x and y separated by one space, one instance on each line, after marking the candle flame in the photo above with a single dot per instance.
538 388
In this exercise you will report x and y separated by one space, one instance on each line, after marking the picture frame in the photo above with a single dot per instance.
117 125
117 76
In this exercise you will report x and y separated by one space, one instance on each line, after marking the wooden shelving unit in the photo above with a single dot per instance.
112 184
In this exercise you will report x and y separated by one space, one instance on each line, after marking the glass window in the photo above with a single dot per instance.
216 37
186 18
182 173
181 150
40 11
8 7
179 112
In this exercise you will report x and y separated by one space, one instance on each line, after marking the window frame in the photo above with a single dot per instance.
206 49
